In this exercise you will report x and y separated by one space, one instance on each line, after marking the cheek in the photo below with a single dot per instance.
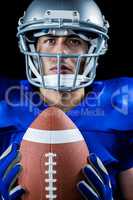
41 47
79 50
45 63
71 60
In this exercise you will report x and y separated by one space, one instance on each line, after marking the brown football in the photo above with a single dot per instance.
53 152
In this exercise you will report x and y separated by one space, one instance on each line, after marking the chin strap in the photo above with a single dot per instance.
66 80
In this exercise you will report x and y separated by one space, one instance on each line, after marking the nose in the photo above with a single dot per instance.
59 48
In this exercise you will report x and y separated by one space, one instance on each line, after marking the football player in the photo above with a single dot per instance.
62 41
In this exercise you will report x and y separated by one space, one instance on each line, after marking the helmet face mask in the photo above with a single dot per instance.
62 22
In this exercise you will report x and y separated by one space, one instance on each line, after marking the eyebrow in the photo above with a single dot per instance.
56 36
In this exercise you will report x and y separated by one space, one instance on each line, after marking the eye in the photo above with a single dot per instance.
48 41
74 42
51 41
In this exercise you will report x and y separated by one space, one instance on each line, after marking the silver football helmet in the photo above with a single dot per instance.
79 17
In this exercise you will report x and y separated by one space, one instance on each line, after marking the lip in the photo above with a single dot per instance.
64 70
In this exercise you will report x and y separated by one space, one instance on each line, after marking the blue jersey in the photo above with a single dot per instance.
104 117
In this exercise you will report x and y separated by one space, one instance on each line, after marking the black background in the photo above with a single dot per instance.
117 61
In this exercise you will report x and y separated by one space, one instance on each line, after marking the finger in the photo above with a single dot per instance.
11 177
3 192
11 155
94 179
12 147
99 167
86 191
6 152
17 192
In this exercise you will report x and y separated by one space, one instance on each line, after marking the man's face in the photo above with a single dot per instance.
62 45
